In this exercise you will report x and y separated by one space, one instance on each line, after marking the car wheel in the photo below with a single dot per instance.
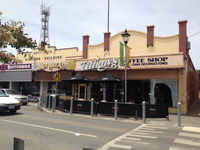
13 111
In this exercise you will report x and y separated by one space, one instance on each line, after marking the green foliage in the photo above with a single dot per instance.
12 34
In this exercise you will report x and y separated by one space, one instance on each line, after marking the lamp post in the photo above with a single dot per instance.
125 37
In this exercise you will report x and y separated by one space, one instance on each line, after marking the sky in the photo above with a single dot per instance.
69 20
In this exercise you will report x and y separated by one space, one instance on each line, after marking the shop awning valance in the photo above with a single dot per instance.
76 77
107 78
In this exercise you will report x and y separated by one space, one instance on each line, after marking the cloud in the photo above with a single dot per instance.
70 19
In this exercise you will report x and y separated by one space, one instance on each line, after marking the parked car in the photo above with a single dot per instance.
16 95
8 103
33 96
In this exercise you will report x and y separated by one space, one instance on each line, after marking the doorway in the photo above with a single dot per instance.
82 92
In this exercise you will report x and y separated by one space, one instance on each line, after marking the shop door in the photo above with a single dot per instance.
82 92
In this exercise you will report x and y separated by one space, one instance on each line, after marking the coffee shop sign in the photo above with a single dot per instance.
99 65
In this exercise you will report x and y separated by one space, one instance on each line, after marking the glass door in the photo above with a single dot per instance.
82 92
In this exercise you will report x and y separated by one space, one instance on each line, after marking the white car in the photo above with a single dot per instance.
8 104
16 95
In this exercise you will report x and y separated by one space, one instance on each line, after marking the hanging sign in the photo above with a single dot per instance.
56 76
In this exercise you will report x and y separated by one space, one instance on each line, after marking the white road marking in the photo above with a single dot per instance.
192 129
186 142
121 146
189 135
146 128
112 142
156 127
140 130
130 138
179 148
49 128
141 133
138 142
145 136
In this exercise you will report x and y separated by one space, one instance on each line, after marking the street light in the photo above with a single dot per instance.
125 37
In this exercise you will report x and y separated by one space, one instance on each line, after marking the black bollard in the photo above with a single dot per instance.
18 144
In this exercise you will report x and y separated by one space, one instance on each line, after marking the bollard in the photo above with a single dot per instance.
18 144
49 102
53 103
46 102
92 107
115 113
86 148
71 105
144 112
179 114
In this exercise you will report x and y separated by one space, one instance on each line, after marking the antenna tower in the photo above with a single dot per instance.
45 13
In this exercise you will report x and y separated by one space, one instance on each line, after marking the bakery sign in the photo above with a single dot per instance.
55 66
170 61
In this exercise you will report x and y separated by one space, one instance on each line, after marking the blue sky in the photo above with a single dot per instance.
71 19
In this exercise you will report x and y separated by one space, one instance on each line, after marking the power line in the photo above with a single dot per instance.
194 34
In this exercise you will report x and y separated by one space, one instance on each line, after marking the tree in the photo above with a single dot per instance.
12 34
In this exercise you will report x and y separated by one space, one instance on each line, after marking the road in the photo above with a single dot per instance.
57 131
48 131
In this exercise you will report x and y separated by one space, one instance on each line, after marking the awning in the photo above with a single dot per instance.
107 78
16 76
76 77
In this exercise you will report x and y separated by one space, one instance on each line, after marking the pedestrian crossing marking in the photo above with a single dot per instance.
156 127
186 142
146 128
137 142
133 133
192 135
144 136
179 148
192 129
121 146
150 131
131 138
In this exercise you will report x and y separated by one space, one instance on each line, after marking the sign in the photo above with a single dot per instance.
15 67
167 61
99 64
19 67
56 76
145 62
50 67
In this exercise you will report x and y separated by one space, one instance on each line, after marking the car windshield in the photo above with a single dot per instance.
12 92
2 94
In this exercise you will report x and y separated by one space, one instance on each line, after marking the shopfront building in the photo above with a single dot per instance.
159 70
16 76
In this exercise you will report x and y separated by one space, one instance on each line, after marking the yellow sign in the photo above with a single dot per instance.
56 76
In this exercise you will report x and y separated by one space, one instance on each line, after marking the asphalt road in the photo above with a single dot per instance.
48 131
60 131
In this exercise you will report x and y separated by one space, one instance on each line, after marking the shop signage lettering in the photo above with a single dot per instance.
19 66
100 65
13 67
149 61
50 67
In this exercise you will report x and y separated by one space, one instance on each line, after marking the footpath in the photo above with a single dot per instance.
191 119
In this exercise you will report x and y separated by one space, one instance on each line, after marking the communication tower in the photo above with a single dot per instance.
45 13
